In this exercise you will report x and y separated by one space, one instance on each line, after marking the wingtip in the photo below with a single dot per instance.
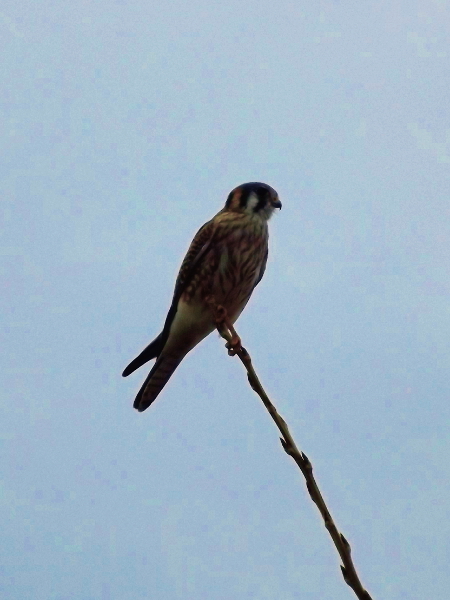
131 368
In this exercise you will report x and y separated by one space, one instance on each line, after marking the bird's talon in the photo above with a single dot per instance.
234 345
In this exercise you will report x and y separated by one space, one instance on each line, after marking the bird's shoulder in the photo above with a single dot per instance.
212 233
205 235
196 251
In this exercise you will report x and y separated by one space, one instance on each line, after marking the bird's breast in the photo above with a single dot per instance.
231 268
239 262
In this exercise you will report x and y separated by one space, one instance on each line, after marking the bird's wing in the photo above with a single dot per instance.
263 268
198 249
151 351
196 253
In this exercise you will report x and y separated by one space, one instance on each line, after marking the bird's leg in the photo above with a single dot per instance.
234 345
223 322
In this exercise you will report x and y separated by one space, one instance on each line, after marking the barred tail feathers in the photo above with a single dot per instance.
160 374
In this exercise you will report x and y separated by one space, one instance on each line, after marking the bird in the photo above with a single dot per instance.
224 263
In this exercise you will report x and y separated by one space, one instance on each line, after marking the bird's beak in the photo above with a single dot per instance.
276 203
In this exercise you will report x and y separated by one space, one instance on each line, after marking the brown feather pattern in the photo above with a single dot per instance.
226 259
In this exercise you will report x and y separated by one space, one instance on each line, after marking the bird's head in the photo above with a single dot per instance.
254 199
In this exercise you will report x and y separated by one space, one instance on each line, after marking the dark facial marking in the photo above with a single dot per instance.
263 198
241 195
246 191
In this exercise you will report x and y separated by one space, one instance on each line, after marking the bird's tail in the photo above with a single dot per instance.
157 378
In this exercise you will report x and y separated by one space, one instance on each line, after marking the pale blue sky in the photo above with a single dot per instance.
124 127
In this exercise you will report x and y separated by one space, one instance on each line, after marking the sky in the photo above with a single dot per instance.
124 126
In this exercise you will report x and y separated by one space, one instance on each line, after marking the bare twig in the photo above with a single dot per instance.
343 547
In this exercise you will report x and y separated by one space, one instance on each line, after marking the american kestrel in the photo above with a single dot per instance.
225 262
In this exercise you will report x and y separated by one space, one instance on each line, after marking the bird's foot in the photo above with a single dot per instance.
224 325
234 346
219 311
222 320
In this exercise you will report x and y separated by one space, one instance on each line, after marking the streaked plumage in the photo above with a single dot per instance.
226 260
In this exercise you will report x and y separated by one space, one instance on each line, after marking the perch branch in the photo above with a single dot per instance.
343 547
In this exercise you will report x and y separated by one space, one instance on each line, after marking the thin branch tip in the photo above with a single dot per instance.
234 347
